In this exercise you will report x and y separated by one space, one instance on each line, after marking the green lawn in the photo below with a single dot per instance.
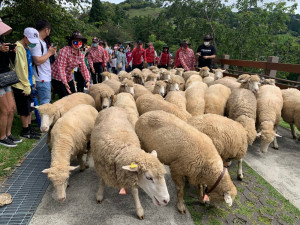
148 11
11 157
286 125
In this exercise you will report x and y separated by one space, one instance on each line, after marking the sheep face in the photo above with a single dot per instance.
254 86
46 121
129 89
174 86
204 71
266 135
218 73
105 78
161 89
152 180
106 102
59 177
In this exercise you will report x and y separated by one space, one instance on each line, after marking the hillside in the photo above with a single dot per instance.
148 11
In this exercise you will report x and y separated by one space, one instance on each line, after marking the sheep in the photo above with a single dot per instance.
149 85
159 87
109 76
188 152
192 79
241 107
268 82
218 73
123 75
291 109
153 68
230 82
195 103
152 77
249 82
176 83
50 113
127 86
114 84
138 76
173 71
216 97
151 102
228 136
186 75
140 90
102 94
269 106
177 98
165 75
179 71
127 102
69 138
121 163
204 71
209 80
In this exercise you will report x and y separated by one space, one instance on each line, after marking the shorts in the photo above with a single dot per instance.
4 90
23 102
44 91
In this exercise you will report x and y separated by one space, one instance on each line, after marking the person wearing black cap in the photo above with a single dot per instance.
206 52
69 57
164 60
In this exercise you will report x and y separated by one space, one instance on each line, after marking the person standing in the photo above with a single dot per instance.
150 55
187 57
128 57
206 52
69 57
97 60
137 55
177 62
165 58
121 59
23 89
42 68
7 102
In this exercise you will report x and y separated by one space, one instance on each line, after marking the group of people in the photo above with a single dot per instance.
38 71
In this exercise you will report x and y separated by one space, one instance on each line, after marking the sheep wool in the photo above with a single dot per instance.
177 98
140 90
195 103
216 97
102 94
230 82
113 84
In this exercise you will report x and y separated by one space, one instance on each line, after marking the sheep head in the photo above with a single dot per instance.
267 135
218 73
128 86
204 71
106 76
160 88
49 114
249 82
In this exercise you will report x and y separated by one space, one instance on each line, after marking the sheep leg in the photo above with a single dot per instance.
240 170
88 158
275 144
179 182
138 206
81 163
100 191
293 131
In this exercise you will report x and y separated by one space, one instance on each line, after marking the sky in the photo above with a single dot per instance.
297 11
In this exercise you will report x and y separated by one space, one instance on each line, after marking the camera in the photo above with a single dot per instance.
11 46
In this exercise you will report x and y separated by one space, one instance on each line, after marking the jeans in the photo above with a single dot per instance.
150 64
44 91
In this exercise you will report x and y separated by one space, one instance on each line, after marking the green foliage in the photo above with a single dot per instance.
97 13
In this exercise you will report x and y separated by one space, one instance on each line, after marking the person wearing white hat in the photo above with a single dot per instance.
7 102
22 90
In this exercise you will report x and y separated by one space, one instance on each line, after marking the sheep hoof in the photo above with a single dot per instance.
182 211
99 201
276 148
141 217
240 177
68 185
87 166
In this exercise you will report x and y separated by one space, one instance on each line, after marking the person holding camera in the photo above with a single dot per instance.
7 102
23 89
42 68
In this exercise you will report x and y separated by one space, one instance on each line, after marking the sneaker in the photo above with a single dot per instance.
34 132
29 135
7 143
14 139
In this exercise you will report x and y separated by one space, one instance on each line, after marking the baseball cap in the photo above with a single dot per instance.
4 29
32 35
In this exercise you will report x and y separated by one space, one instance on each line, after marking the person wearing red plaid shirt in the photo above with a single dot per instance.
97 60
187 57
137 55
69 58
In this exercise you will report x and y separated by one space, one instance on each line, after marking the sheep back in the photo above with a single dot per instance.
216 97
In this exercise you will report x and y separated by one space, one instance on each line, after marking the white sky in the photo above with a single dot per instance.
297 11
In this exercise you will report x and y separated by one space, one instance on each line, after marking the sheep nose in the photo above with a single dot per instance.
104 107
43 129
166 201
62 199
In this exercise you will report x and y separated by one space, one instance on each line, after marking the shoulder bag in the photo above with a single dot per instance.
9 78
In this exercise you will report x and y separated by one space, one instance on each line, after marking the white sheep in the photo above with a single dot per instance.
204 72
291 109
102 94
69 138
230 82
195 102
177 98
179 71
269 106
138 76
228 136
186 75
175 83
127 86
109 76
158 87
188 152
192 79
123 75
114 84
121 163
140 90
216 97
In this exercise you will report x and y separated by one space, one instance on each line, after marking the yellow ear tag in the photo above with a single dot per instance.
133 165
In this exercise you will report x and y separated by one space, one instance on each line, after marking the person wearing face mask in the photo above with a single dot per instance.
150 55
186 57
137 54
69 57
164 60
42 68
206 52
23 89
97 60
121 59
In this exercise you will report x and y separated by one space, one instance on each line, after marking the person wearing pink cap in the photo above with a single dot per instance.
23 89
7 102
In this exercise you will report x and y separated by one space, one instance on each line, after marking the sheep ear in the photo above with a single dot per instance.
73 168
258 134
166 81
114 99
213 70
277 135
228 199
46 171
122 85
223 71
154 153
36 107
133 167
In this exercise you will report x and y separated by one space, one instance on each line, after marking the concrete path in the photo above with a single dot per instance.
281 168
80 206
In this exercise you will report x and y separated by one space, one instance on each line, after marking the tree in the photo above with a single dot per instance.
97 13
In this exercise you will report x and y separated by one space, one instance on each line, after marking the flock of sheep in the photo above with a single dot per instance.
134 124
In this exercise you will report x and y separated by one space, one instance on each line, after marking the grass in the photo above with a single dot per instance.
277 207
148 11
12 157
286 125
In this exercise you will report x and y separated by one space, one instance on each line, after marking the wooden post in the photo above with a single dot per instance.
272 59
298 78
225 66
